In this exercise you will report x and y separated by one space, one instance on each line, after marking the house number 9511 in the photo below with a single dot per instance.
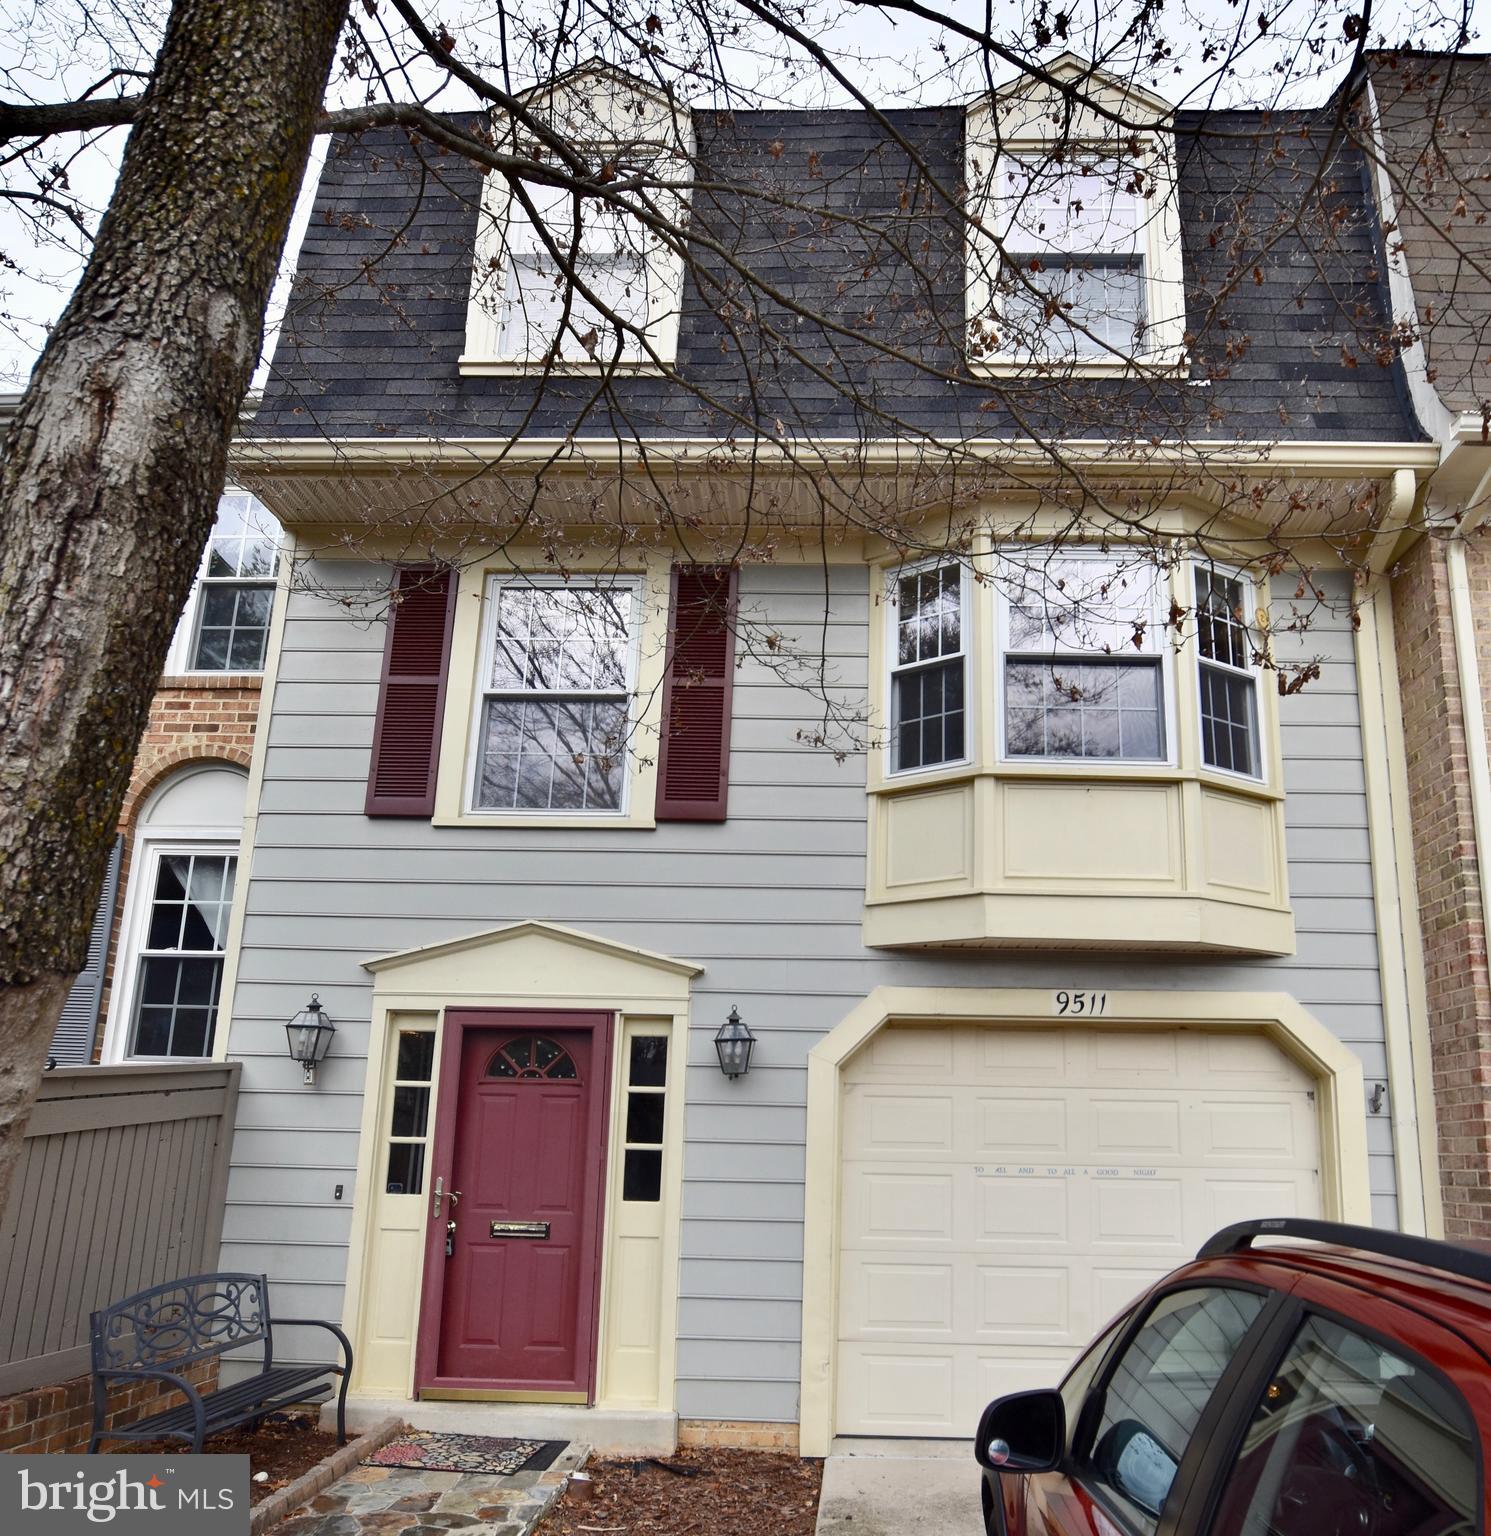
1081 1002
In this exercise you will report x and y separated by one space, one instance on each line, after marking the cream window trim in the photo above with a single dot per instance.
1344 1188
604 112
890 578
1257 625
1159 656
468 659
1029 119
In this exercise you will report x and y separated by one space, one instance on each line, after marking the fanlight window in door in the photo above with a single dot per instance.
532 1056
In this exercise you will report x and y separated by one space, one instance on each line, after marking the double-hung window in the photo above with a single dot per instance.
1083 671
928 668
181 960
554 713
544 311
1228 674
1072 286
226 624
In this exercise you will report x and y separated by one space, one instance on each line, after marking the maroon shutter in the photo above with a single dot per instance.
694 758
411 693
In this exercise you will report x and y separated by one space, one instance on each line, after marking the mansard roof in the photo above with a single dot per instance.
378 314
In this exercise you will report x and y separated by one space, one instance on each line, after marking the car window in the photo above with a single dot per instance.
1155 1396
1351 1439
1078 1382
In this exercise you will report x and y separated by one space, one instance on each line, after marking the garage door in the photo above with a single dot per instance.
1007 1190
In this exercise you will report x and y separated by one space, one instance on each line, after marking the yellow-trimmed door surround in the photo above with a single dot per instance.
537 966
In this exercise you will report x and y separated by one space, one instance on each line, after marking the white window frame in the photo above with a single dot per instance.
1161 657
581 106
1024 120
184 639
150 846
483 691
1250 586
893 576
1023 246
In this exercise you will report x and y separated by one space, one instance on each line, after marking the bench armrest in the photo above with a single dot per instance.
314 1322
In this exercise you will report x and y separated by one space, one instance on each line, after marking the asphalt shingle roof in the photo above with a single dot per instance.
1294 347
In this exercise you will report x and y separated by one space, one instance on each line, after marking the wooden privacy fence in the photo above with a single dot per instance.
120 1185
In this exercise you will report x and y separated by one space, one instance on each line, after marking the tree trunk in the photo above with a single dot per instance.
113 466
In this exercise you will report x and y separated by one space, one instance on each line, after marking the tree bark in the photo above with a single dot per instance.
113 465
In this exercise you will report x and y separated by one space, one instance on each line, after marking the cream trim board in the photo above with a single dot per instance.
487 937
1345 1191
377 1110
1374 656
460 726
542 967
288 556
1265 457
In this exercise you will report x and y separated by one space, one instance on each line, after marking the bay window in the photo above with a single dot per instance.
1227 674
1087 767
554 710
1082 662
928 676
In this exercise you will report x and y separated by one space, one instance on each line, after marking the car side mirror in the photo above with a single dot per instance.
1024 1432
1135 1463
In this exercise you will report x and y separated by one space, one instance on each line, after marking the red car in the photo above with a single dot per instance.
1291 1389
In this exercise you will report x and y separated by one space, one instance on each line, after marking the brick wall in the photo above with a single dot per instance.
1450 904
192 720
58 1420
739 1435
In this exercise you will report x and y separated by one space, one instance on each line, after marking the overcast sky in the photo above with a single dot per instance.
897 61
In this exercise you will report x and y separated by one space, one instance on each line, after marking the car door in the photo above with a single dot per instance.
1367 1424
1132 1449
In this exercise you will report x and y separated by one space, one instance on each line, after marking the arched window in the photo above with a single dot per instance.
175 933
532 1056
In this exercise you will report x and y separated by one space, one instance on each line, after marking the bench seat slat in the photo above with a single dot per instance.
263 1393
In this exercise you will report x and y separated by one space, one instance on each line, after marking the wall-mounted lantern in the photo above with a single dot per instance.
309 1034
733 1042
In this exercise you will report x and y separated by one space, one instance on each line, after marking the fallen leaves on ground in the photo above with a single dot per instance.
695 1493
282 1447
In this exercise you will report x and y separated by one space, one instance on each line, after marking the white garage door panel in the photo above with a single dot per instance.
1006 1191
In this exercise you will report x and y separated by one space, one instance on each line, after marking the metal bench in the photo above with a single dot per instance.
154 1335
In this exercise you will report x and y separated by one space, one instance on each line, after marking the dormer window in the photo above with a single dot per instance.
543 311
584 283
1074 246
1074 276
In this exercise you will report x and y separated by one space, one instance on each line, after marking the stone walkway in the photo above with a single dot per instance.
403 1501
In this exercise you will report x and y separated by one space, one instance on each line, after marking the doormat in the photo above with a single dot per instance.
431 1451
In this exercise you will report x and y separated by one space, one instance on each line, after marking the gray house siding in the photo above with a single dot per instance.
768 903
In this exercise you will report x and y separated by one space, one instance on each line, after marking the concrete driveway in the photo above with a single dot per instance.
891 1487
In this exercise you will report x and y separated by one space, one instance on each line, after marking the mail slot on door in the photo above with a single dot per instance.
520 1229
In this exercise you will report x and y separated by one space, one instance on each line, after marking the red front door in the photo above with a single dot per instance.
515 1279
